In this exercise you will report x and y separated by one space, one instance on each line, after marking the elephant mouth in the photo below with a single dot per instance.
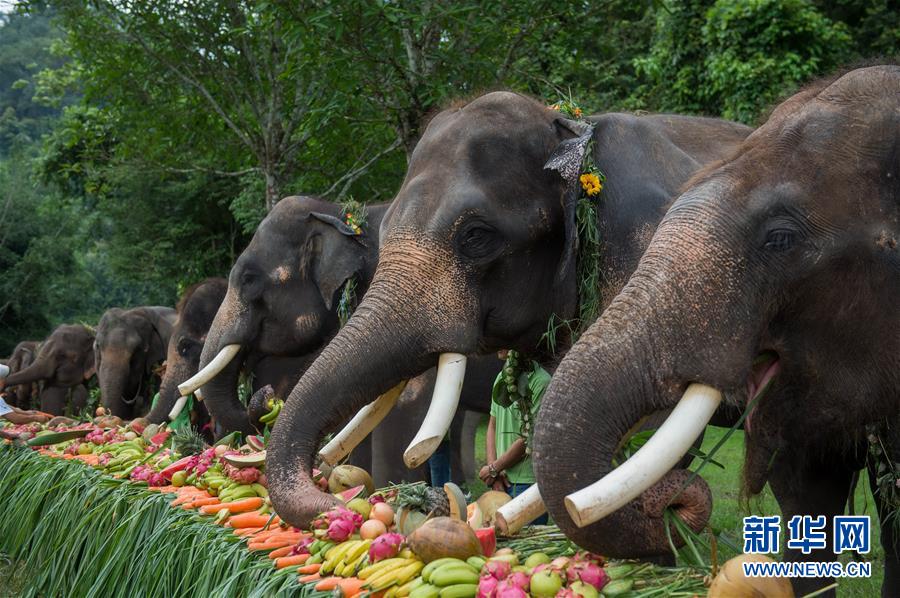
765 368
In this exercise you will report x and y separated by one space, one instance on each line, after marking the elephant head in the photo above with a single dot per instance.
22 356
129 343
478 252
778 268
64 360
282 298
196 310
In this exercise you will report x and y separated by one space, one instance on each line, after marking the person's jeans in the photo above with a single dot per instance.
515 490
439 464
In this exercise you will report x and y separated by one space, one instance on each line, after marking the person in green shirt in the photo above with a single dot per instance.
508 466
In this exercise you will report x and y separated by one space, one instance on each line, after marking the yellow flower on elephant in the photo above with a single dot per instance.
590 182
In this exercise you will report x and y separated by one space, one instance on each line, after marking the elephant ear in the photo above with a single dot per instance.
90 364
337 257
567 159
158 338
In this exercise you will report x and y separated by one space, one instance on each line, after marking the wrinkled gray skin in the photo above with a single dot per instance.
129 344
478 250
283 294
196 310
790 248
65 361
23 356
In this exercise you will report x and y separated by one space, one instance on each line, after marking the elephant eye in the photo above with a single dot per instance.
478 241
184 347
780 239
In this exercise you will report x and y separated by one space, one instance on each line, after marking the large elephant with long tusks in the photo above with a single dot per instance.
772 281
130 344
478 251
64 363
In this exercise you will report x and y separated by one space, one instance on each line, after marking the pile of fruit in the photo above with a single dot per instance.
405 540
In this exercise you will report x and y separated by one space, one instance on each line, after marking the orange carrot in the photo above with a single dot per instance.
309 578
287 561
351 586
237 506
254 546
326 584
252 519
280 552
309 569
201 503
286 537
246 531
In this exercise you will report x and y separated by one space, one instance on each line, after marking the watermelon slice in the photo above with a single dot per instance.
159 438
257 443
488 540
179 465
351 493
251 460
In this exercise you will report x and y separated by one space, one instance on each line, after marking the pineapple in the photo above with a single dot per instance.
186 441
423 498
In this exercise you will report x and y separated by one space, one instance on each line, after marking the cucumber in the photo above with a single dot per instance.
57 437
460 590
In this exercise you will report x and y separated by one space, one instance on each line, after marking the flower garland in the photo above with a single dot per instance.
354 216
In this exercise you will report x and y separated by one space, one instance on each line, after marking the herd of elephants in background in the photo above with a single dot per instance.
761 263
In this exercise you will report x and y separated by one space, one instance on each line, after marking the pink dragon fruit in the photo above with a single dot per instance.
498 569
487 586
519 579
340 529
505 589
375 499
385 546
566 593
245 475
588 572
302 546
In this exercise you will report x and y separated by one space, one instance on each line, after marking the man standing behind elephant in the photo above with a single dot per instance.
511 472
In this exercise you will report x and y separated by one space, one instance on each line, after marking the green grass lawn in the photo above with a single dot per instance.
729 509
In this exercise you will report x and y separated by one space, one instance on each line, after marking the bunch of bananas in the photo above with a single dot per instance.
446 578
346 558
396 573
125 456
274 406
218 484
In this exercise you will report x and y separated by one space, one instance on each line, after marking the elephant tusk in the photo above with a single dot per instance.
199 394
362 424
520 511
211 370
4 370
451 372
177 408
647 466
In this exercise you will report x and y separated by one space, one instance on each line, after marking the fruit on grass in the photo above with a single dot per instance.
382 512
535 559
585 590
361 506
344 477
545 583
731 583
444 537
179 478
371 529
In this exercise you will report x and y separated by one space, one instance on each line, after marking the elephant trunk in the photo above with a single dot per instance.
177 370
113 375
225 344
370 355
41 369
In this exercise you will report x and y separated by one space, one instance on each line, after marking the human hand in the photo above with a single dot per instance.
500 484
485 475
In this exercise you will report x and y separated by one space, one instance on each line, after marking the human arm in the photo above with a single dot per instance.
491 452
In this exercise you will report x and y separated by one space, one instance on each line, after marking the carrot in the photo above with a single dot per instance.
286 537
201 503
287 561
237 506
309 578
252 519
254 546
280 552
309 569
326 584
246 531
351 586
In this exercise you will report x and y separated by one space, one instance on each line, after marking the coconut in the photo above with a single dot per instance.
444 537
731 583
345 477
489 502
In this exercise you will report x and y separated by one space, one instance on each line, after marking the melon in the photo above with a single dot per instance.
444 537
474 516
730 582
489 502
456 500
251 460
344 477
257 443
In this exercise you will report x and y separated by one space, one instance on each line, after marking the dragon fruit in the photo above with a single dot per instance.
498 569
487 586
385 546
505 589
302 546
519 579
340 530
242 475
589 573
566 593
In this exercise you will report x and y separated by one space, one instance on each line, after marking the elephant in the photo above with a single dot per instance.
23 356
283 296
773 281
129 344
196 310
479 251
63 364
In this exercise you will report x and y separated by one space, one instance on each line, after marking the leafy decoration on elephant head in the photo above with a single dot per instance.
344 273
573 159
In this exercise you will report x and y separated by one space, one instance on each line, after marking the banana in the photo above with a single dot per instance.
367 572
451 574
433 565
476 561
260 490
460 590
404 590
425 591
398 576
392 593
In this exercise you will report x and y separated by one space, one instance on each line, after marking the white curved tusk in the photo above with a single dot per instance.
451 372
652 461
362 424
177 408
198 394
211 370
4 370
520 511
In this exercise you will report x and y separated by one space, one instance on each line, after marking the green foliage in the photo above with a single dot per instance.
741 57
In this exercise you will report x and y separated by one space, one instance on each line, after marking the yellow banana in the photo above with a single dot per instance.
379 566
